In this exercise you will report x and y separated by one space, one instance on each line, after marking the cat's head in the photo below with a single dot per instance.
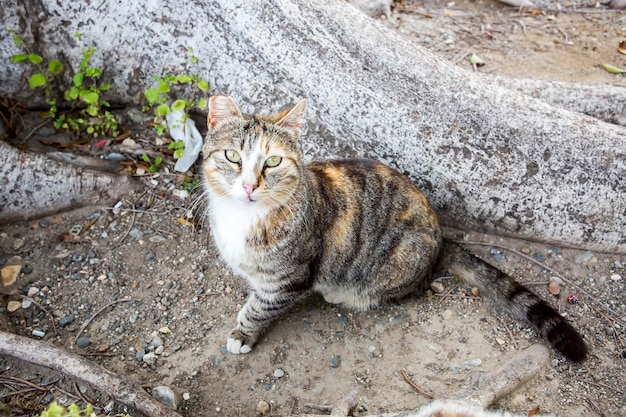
254 160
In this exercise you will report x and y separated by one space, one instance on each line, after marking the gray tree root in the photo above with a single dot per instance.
101 379
489 159
34 186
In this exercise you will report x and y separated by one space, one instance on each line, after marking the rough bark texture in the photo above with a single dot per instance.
121 390
34 186
489 159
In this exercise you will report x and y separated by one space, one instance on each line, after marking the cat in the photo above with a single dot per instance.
356 231
446 408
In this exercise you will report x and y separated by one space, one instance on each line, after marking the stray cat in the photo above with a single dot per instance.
356 231
446 408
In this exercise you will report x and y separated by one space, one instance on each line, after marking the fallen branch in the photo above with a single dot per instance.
82 329
101 379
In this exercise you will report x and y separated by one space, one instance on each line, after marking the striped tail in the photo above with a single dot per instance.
510 294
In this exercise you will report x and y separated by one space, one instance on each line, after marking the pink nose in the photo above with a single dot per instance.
249 188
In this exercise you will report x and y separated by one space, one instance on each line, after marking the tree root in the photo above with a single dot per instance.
101 379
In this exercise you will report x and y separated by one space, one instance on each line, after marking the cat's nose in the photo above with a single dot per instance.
249 188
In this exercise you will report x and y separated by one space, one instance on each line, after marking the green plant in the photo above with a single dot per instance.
178 146
85 94
57 410
160 98
191 184
42 75
153 166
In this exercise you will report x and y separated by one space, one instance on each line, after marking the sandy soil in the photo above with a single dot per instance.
184 299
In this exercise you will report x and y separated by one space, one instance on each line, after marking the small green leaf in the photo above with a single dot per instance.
72 94
90 130
164 87
105 87
19 58
152 95
37 80
90 97
183 78
613 70
17 40
152 168
158 160
78 79
55 66
93 72
203 85
92 110
179 105
201 104
35 59
178 153
145 157
79 36
162 109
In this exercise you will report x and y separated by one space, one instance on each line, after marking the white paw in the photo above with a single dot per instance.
235 347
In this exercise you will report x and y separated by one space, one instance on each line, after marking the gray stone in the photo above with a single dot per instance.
83 342
166 395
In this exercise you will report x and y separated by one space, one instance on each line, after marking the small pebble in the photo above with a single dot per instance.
64 321
472 362
83 342
140 354
279 373
539 256
26 303
159 350
26 269
149 358
335 362
19 243
32 291
224 350
186 396
616 277
109 407
38 333
263 408
13 306
165 395
267 387
583 257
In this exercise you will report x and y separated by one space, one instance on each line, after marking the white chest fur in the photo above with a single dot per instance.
231 222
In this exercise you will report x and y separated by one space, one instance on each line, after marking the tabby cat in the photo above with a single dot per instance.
356 231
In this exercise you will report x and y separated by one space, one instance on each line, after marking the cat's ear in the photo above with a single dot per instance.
292 118
220 108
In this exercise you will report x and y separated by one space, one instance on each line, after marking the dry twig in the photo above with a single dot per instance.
411 383
82 329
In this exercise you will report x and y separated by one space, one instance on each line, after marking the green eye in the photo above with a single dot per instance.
273 161
233 156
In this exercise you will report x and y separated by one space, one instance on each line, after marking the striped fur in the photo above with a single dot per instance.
356 231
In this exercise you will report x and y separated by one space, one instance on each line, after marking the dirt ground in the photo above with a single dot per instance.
184 301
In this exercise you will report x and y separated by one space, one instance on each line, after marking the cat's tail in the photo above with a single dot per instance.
510 294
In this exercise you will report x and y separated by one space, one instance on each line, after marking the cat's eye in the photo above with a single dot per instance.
273 161
233 156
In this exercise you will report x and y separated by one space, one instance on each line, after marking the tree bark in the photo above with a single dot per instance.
121 390
34 186
488 158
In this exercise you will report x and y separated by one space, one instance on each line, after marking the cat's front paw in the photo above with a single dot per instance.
238 343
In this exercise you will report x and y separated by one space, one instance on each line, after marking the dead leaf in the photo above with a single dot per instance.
9 274
475 291
621 48
184 222
533 411
554 288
